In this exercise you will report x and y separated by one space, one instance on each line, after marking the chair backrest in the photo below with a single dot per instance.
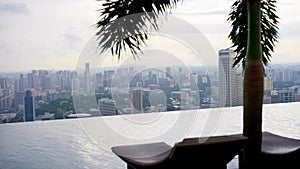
209 150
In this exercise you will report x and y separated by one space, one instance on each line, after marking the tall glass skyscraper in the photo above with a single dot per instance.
29 107
230 81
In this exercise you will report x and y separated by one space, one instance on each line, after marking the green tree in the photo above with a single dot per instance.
59 114
45 107
103 95
57 107
254 31
17 118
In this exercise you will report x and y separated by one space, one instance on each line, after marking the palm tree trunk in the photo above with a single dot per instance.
253 88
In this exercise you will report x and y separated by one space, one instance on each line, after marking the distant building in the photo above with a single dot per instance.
287 95
4 83
164 82
194 79
19 100
99 79
21 83
180 76
6 94
5 102
87 78
283 96
153 86
107 77
136 99
136 80
176 95
168 72
29 114
297 93
268 83
107 107
230 82
268 87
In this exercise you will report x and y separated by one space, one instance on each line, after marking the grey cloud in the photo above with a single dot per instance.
219 28
290 30
71 40
285 3
217 12
14 8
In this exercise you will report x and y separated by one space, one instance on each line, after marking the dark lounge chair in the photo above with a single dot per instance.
205 153
280 152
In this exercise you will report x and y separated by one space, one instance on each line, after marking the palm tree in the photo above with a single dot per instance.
253 50
254 32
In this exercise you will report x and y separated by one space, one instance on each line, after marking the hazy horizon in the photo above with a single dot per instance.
35 37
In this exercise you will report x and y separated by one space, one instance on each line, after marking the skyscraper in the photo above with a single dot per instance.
107 77
99 78
21 83
168 72
230 82
136 98
29 114
87 78
19 100
30 79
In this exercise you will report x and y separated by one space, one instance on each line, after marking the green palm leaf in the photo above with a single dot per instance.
238 34
128 32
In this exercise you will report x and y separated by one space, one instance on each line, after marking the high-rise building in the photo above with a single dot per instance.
29 114
164 82
30 79
230 81
268 87
4 83
136 98
107 107
107 77
19 100
180 76
99 78
283 96
268 83
48 82
168 72
21 83
87 78
6 94
137 80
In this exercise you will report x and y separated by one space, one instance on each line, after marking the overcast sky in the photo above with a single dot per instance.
51 34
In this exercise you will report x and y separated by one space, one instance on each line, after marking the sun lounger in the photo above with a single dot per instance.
280 152
205 153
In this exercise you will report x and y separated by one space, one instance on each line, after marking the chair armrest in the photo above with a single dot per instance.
143 154
279 145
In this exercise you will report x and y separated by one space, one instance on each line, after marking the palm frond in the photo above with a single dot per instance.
238 34
119 29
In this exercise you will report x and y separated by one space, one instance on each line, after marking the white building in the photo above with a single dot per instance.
107 107
230 80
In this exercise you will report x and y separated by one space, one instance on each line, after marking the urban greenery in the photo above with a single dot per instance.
57 107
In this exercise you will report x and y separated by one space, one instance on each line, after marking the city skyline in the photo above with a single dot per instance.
57 93
56 41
